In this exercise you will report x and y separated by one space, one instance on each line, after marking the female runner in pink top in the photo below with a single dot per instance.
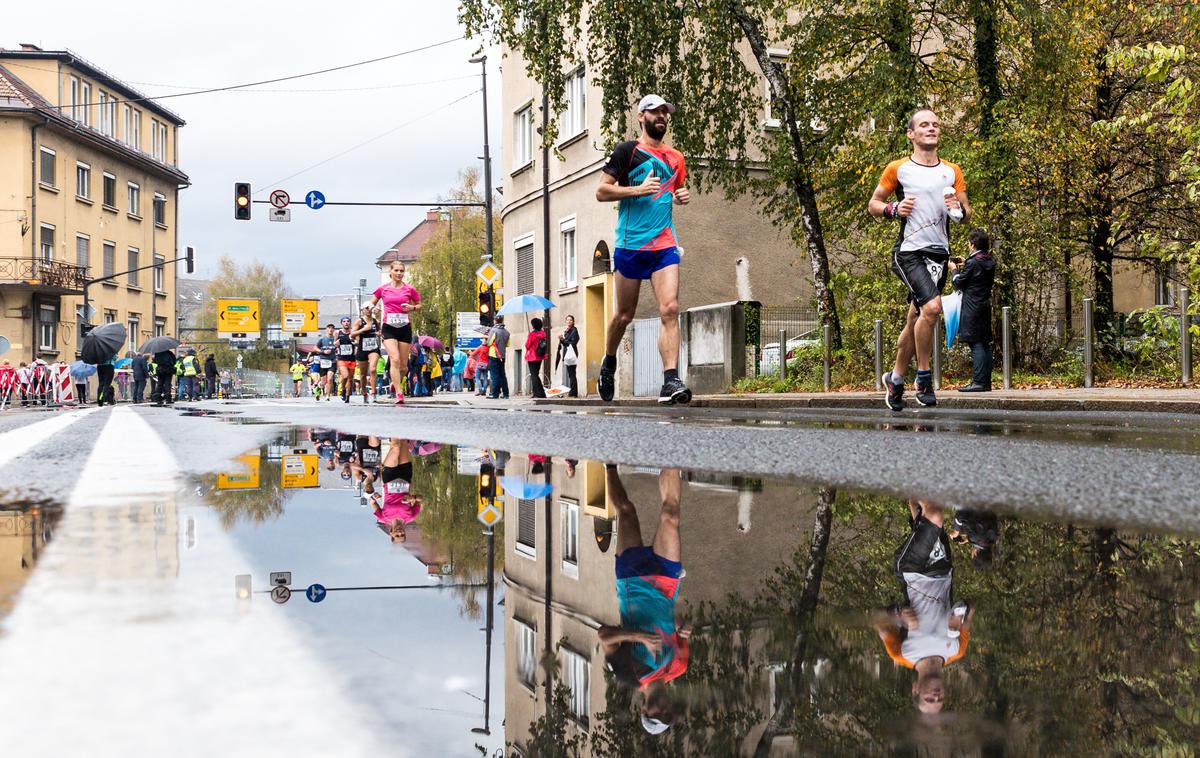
399 299
400 506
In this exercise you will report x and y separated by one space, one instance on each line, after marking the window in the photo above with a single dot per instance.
160 209
83 180
135 320
135 131
778 57
127 111
575 118
135 200
1164 292
47 320
110 258
526 653
85 103
570 538
523 137
158 140
47 167
575 677
75 101
133 264
527 528
160 327
158 273
524 248
46 245
570 260
110 190
107 113
110 316
83 249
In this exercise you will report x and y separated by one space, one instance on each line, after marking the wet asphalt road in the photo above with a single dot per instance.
1106 469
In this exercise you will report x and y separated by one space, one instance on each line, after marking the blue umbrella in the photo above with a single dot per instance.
525 304
81 370
123 363
525 490
951 309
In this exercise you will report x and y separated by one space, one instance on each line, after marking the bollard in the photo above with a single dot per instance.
1088 337
783 355
828 340
878 354
937 355
1185 335
1006 344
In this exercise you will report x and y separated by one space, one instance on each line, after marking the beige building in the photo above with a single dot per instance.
89 187
408 249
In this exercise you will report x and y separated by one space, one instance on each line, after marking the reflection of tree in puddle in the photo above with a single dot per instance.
250 506
1084 643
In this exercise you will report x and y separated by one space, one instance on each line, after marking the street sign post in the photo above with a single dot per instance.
237 318
280 214
281 578
467 334
315 199
300 471
281 594
490 514
315 593
280 198
489 273
299 316
246 479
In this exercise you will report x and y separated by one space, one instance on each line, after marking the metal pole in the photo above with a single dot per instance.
546 225
1006 344
1185 335
783 355
828 344
491 607
937 355
1088 327
878 354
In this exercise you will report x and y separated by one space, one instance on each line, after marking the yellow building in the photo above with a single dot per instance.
89 186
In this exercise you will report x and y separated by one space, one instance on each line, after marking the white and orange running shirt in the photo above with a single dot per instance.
928 226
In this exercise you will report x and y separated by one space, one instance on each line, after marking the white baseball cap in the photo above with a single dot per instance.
650 102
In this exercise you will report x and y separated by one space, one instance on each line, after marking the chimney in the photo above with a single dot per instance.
433 215
29 47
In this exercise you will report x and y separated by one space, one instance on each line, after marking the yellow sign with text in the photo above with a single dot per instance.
299 316
237 318
246 479
300 471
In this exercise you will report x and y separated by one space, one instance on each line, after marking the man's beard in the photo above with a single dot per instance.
655 130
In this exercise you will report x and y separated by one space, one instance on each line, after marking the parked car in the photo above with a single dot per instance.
768 358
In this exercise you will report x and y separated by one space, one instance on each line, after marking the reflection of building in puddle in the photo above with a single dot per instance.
436 560
135 541
568 541
24 533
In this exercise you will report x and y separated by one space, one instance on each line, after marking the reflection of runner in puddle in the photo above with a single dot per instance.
324 443
345 453
929 632
647 650
365 464
399 505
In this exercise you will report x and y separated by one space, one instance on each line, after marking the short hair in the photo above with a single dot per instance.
980 240
536 323
912 119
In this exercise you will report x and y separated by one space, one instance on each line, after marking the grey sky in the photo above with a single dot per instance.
262 137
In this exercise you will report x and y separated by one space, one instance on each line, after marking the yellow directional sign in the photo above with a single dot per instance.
299 316
490 514
237 318
300 470
489 273
246 479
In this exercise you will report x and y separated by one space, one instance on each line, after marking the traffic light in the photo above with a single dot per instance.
190 259
241 201
487 306
487 484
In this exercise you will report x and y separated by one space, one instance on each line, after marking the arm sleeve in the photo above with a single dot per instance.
618 163
891 642
960 184
378 293
890 179
963 638
965 274
682 181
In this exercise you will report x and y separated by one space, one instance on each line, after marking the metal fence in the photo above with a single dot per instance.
252 382
802 326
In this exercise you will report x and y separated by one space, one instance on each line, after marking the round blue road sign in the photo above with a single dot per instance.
314 199
315 593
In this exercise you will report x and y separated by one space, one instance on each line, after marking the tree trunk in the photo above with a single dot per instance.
983 15
801 179
1100 216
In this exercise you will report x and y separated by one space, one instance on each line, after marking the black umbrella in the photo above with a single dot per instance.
159 344
102 343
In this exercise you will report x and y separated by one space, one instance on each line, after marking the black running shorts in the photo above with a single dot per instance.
403 471
922 271
926 551
402 333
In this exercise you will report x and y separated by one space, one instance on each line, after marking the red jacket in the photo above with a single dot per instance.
531 353
481 356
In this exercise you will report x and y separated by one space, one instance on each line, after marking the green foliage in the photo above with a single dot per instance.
252 280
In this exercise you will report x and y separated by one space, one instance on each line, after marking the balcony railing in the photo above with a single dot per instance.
47 276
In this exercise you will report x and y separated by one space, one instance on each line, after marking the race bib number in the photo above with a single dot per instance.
345 349
935 270
370 456
370 344
326 363
397 319
346 446
396 487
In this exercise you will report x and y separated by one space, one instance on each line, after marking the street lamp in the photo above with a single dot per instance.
487 157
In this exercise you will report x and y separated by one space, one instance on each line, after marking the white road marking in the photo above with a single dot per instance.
128 463
17 442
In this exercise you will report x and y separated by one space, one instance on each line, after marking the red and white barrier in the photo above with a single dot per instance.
64 384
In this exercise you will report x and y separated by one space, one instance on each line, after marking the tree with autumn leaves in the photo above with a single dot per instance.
1063 145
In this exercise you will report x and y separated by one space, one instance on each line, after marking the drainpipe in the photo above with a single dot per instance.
33 183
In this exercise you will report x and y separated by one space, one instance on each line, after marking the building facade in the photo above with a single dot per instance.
408 249
89 187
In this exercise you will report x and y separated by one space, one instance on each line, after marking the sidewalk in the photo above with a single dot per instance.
1110 399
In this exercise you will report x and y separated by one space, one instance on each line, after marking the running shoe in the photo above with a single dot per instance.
607 384
893 394
674 391
925 394
399 399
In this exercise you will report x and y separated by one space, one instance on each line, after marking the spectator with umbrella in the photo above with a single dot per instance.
80 372
100 348
162 348
141 372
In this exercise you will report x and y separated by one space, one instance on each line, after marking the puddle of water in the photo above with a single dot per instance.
25 530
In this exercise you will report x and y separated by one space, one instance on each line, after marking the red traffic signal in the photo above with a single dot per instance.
241 201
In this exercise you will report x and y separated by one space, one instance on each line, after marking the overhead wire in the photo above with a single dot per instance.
401 85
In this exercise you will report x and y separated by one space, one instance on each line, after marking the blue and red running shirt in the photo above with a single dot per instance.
644 223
